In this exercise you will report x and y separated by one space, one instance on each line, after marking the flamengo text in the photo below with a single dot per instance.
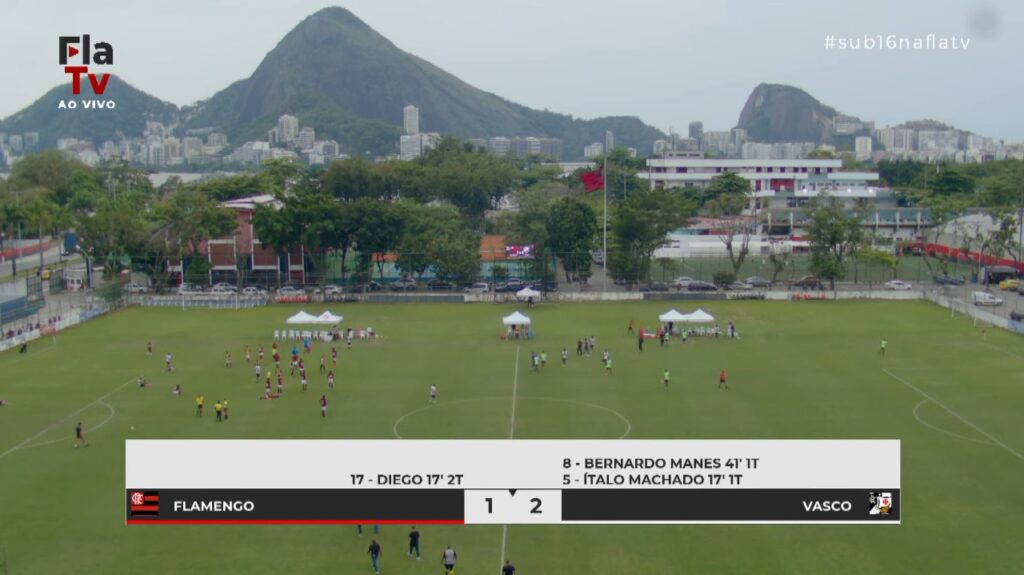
213 506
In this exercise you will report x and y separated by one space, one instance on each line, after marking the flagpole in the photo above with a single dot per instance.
604 251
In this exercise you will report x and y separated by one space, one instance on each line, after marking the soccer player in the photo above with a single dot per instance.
334 357
266 389
323 406
200 400
142 382
167 362
414 543
433 393
665 379
579 347
177 390
543 359
259 353
630 329
248 355
259 371
277 360
304 382
227 359
448 558
534 361
375 554
149 347
565 355
604 356
882 349
508 568
330 380
79 435
323 365
224 408
608 366
721 381
216 409
280 384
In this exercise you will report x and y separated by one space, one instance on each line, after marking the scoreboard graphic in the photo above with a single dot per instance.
512 482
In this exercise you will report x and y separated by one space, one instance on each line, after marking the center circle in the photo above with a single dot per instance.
535 418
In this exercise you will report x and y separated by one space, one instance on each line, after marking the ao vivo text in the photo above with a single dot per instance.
98 54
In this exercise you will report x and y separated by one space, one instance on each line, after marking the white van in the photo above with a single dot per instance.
985 298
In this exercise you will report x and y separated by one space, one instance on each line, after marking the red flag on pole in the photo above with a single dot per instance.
593 180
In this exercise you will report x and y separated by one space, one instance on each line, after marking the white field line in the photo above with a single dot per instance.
67 417
511 435
945 431
113 412
964 420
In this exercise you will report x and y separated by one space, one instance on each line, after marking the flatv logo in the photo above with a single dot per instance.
78 55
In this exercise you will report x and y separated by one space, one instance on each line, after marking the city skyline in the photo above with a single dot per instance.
555 66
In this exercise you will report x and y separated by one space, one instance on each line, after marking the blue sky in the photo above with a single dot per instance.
668 62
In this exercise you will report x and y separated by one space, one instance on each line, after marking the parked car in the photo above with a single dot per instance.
135 288
187 288
290 291
985 298
737 286
948 280
440 285
701 286
1010 284
808 282
403 285
654 286
224 286
222 290
682 283
539 286
332 290
898 285
254 291
759 282
478 287
507 288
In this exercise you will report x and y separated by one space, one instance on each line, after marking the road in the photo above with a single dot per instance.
31 262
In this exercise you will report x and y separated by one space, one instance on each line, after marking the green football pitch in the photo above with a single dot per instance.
951 391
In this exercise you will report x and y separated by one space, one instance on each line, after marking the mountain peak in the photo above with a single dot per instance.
782 113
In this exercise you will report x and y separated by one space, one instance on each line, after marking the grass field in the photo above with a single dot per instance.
954 396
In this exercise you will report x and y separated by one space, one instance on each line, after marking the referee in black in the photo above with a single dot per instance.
508 568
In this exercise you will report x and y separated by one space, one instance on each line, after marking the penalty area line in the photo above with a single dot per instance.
67 417
963 419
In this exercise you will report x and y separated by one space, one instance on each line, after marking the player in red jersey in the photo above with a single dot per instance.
330 380
323 406
721 381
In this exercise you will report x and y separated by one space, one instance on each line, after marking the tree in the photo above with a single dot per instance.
456 254
571 227
378 229
834 237
422 225
872 257
43 215
640 225
275 229
351 179
194 218
729 195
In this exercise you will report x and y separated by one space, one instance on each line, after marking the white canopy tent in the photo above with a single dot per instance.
699 316
527 293
328 318
302 318
515 318
672 315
